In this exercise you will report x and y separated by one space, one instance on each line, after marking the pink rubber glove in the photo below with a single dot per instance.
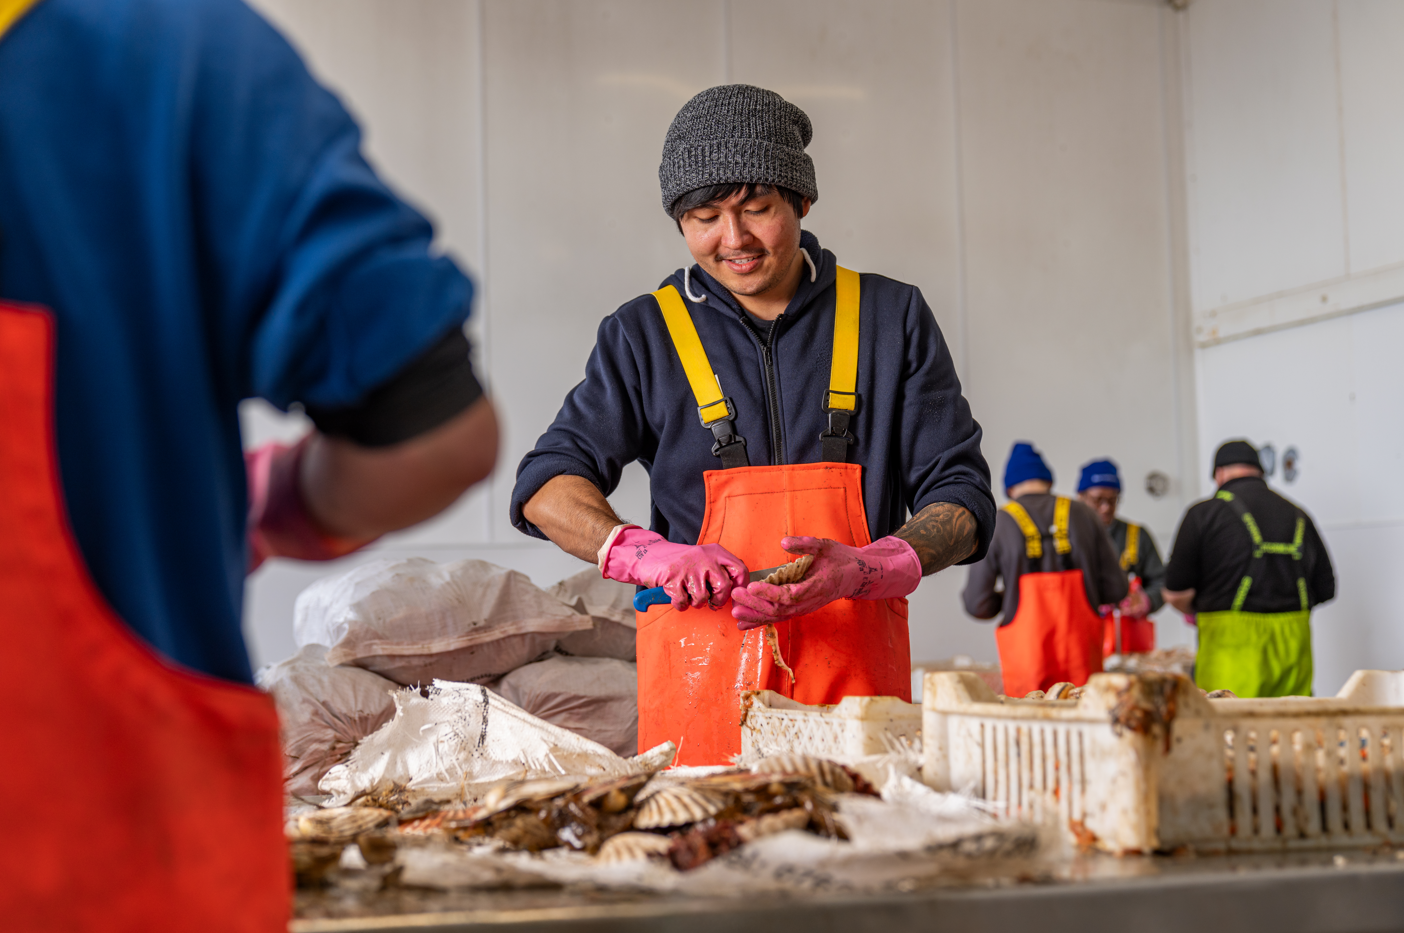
884 569
692 574
279 525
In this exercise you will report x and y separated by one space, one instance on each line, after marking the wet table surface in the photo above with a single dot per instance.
1344 891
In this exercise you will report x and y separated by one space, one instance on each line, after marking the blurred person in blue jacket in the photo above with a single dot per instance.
186 221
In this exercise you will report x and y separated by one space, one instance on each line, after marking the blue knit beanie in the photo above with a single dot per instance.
1099 473
1025 463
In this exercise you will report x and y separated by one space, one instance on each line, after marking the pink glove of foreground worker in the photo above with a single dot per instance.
692 574
884 569
279 525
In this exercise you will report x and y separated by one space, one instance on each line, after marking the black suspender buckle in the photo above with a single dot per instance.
729 446
836 438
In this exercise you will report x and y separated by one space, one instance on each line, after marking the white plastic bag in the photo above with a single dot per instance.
415 621
594 697
461 738
610 605
323 712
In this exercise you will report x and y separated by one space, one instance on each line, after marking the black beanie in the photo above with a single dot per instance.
1232 452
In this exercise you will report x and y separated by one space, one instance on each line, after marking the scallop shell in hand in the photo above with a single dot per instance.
825 773
677 806
793 572
633 847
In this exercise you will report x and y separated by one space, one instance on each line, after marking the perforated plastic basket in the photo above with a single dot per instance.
1142 763
852 728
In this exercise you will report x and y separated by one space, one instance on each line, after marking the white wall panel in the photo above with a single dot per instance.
1264 163
1067 226
579 96
875 79
1372 91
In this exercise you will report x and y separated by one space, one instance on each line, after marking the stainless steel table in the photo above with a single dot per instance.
1319 892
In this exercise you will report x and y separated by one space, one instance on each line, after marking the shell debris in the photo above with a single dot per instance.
633 847
826 773
772 823
677 806
341 824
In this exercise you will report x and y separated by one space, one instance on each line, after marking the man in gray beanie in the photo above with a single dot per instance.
829 411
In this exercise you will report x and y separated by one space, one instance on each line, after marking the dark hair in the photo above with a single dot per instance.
715 194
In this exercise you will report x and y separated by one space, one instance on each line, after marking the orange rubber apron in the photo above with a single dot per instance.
142 796
1137 632
695 665
1055 635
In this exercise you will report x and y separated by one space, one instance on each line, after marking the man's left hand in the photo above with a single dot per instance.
885 569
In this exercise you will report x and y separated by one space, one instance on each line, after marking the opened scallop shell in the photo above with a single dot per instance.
341 824
633 847
793 572
825 773
507 794
772 823
677 806
1059 691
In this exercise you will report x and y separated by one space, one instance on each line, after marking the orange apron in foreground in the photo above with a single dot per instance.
143 796
695 664
1055 636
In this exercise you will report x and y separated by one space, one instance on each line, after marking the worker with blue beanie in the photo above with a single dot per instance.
1128 630
1057 564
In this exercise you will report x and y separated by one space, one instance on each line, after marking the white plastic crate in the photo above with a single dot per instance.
850 729
1144 763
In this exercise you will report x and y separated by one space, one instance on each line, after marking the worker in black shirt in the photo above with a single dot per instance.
1251 565
1057 565
1099 488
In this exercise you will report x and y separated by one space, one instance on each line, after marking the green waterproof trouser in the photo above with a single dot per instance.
1255 654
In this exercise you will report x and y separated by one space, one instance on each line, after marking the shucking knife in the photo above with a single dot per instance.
646 598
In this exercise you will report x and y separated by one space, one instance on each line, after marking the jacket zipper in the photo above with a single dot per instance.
772 395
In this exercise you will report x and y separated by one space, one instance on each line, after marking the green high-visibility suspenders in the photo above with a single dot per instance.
1258 654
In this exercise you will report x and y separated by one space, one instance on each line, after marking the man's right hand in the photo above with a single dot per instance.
693 575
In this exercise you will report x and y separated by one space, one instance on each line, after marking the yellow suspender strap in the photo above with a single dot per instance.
1061 544
1133 546
11 11
711 406
1033 541
843 373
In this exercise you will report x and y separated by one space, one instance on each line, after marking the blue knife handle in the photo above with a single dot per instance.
646 598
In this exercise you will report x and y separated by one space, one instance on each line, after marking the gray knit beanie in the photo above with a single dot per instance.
737 133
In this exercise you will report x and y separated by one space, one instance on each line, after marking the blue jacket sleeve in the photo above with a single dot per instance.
600 429
939 439
322 277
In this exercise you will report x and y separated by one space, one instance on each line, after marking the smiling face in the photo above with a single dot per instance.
750 245
1102 500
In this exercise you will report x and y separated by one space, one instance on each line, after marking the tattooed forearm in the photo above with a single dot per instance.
942 534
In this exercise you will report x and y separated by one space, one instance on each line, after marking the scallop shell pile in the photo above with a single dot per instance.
685 821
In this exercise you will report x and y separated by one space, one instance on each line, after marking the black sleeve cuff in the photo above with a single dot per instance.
425 394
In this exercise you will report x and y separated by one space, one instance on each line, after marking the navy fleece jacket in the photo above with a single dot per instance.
916 439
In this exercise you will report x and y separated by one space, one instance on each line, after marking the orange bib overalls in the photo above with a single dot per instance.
695 665
1055 636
